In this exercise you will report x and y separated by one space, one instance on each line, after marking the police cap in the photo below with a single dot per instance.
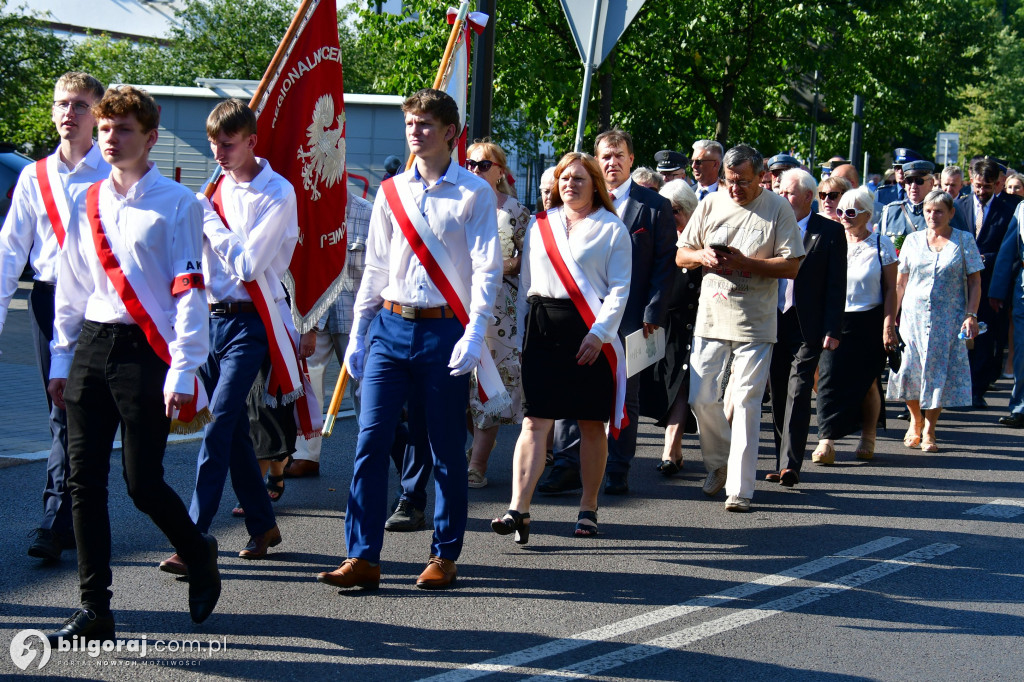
669 161
782 162
903 155
918 168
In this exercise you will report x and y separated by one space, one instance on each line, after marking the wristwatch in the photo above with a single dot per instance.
970 314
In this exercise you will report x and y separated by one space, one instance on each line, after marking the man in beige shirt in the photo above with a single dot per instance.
746 239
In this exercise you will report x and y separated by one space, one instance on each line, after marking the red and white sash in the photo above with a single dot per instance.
55 198
588 304
286 377
434 257
126 276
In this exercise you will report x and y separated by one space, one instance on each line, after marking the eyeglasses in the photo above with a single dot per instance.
79 107
481 166
915 181
831 196
678 211
699 162
851 213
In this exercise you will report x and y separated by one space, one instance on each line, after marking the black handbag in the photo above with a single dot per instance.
893 355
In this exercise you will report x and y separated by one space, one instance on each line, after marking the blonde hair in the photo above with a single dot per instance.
493 152
601 196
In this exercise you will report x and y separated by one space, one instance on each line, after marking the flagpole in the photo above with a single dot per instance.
453 38
261 89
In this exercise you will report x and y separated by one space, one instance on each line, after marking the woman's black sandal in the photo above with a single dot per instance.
670 468
275 486
586 530
513 521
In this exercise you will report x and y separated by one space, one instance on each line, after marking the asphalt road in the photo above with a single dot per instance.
905 568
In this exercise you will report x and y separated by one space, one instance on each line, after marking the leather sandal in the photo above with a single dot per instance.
865 449
586 524
912 440
928 445
824 454
275 487
668 467
513 521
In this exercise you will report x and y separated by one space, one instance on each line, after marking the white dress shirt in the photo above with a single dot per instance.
460 210
264 230
161 224
27 236
601 246
786 285
620 194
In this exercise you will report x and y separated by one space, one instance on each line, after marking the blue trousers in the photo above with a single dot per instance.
56 495
407 361
238 346
1017 294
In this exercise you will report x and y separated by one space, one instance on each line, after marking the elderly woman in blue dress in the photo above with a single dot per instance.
938 290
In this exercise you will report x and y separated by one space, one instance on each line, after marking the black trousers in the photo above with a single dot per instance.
791 381
117 380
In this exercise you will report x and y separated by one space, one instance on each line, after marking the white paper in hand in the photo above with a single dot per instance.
641 352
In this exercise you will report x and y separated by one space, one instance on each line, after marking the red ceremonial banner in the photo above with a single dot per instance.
302 134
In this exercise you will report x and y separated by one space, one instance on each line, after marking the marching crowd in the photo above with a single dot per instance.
460 312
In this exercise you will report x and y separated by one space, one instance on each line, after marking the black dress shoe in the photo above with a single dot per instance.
204 584
904 415
406 518
669 468
789 477
45 545
561 479
1014 421
616 484
978 402
85 624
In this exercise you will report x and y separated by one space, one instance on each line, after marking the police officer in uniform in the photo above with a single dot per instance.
891 193
900 218
779 164
671 165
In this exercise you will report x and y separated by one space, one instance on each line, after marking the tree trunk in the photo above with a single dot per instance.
723 111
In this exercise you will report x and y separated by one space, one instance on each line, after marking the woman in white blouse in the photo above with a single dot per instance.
565 373
849 394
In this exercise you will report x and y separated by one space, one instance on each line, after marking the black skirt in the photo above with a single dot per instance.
555 386
845 374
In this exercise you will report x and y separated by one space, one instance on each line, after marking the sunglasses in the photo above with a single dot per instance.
914 181
851 213
482 166
831 196
700 162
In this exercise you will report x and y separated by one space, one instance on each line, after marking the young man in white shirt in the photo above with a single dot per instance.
130 333
407 343
49 188
250 231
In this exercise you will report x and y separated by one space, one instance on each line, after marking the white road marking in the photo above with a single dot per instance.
690 635
1000 509
606 632
29 456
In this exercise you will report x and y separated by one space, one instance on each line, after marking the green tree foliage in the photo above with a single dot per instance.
120 61
31 59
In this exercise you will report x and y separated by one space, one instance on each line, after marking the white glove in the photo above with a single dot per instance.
468 349
355 353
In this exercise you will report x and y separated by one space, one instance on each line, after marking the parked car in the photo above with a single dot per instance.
11 163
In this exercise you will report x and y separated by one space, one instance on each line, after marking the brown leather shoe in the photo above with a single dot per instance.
789 477
353 573
439 574
174 565
258 544
772 477
302 468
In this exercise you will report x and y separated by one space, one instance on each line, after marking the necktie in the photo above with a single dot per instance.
979 217
701 194
917 210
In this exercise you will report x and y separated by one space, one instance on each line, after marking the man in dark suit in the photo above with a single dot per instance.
648 217
987 218
810 320
1006 290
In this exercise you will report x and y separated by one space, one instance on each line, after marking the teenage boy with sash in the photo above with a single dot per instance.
33 232
250 229
433 264
130 333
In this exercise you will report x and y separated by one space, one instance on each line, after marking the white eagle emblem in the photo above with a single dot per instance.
325 159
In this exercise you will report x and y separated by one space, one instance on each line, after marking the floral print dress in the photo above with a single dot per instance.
935 369
504 337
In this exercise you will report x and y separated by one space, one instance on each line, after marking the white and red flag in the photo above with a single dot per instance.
458 80
301 118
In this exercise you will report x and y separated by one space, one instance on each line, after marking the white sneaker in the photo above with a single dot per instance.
715 481
735 503
476 479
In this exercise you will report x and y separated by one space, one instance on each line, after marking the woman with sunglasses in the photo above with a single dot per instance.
577 265
829 192
487 161
849 392
938 289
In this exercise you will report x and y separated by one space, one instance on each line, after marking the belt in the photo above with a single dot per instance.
410 313
226 308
